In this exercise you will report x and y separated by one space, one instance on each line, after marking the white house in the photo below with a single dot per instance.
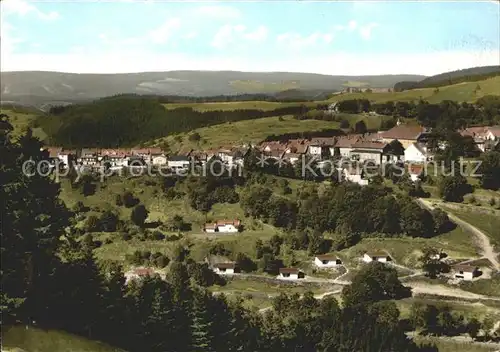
417 153
327 261
381 257
225 268
225 226
355 174
465 272
159 160
177 162
415 171
291 274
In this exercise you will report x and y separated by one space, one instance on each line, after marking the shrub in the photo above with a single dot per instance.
126 236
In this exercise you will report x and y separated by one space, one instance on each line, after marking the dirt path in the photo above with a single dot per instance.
441 290
482 239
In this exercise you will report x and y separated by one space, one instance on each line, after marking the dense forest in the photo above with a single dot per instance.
128 121
51 278
474 74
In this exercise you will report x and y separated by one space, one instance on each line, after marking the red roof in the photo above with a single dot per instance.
144 271
369 145
415 169
404 132
228 222
495 130
347 141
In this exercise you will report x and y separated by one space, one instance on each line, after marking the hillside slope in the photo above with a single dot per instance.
466 91
31 86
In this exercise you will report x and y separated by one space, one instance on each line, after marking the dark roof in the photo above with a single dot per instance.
225 265
368 145
465 268
327 257
289 271
178 158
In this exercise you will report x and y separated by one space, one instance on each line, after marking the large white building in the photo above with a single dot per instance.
417 153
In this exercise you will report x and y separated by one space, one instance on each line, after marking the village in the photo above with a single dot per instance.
402 143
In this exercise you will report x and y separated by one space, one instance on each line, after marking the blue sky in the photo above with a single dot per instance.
354 38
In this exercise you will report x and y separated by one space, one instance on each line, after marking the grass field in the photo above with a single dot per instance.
454 346
484 287
18 339
244 132
468 310
458 92
22 120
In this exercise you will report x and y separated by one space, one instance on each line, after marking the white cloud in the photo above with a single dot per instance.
164 32
352 25
124 60
259 35
237 34
8 40
297 41
365 31
218 12
22 8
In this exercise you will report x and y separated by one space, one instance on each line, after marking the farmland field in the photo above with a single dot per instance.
22 120
244 132
457 92
489 223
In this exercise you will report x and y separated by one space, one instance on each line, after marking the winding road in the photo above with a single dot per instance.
483 240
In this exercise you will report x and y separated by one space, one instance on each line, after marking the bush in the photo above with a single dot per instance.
194 137
157 236
92 224
344 124
79 207
129 200
126 236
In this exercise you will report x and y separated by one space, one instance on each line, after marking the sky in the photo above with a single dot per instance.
343 38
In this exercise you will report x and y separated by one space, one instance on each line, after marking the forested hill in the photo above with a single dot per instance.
130 120
473 74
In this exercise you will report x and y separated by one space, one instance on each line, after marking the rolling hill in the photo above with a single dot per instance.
37 87
462 92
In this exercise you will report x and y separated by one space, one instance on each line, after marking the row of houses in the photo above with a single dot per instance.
401 143
94 157
460 271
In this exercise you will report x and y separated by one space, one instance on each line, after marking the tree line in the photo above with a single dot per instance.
446 114
128 121
468 75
